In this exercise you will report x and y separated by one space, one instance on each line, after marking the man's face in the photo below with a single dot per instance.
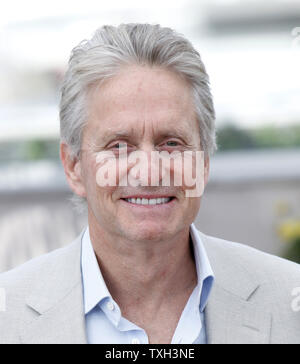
145 109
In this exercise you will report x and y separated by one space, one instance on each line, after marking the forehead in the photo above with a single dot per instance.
142 97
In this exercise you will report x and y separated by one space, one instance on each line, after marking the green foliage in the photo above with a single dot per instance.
293 251
35 150
29 150
269 136
231 137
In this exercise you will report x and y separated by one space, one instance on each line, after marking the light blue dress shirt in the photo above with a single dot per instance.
103 317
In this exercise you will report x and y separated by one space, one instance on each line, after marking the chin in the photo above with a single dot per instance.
151 232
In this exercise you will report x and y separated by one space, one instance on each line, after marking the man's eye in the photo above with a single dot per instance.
172 143
119 145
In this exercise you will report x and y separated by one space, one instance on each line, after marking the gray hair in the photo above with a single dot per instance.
111 48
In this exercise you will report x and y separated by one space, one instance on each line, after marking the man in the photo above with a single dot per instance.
141 272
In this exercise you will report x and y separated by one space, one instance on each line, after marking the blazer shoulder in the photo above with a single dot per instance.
36 286
269 284
260 264
36 268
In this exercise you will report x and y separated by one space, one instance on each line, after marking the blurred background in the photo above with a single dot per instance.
251 50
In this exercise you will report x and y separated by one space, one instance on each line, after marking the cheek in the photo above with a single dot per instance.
90 175
188 171
90 171
192 206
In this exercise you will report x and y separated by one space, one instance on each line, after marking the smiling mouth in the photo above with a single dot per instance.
148 201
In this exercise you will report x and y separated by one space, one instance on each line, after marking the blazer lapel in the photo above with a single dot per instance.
58 301
62 324
230 319
231 316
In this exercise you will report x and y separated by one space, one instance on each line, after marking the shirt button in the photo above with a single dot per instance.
135 341
110 306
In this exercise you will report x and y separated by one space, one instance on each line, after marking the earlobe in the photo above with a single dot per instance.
72 168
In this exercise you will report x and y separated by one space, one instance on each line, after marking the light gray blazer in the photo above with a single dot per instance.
251 301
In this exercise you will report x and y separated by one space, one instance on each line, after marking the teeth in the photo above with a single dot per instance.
146 201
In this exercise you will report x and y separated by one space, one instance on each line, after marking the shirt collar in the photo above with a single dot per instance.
204 271
95 289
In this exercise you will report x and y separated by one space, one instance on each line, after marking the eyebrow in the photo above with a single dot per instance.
116 134
178 132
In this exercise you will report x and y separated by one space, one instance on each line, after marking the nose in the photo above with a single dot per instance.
146 171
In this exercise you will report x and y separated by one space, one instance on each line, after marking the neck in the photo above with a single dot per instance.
137 273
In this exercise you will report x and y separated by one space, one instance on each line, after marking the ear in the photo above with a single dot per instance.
72 168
